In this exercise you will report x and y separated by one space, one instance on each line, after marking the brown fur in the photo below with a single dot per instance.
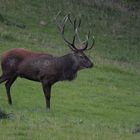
20 54
41 67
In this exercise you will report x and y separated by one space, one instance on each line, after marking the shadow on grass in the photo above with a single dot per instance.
4 115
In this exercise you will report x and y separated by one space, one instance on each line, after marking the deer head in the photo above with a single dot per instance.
78 53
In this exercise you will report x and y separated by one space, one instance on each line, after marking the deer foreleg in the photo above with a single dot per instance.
47 94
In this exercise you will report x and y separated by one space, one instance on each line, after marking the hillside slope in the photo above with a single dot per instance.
115 24
103 102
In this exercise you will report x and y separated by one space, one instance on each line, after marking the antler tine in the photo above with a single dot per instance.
64 20
63 24
73 39
87 43
57 15
72 22
76 30
87 37
93 42
70 19
61 28
79 23
76 26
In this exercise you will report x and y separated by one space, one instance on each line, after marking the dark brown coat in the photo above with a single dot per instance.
41 67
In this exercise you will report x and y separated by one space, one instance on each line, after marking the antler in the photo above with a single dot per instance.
83 43
86 42
76 25
61 27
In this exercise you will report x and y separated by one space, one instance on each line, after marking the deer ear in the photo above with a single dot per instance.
74 52
71 48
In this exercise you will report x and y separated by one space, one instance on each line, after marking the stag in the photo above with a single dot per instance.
46 68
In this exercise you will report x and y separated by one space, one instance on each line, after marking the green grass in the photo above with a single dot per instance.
103 103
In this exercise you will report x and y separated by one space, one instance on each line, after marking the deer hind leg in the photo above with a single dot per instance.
8 85
3 78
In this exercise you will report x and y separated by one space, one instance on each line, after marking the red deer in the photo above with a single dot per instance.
46 68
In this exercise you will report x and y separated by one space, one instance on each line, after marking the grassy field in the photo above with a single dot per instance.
103 103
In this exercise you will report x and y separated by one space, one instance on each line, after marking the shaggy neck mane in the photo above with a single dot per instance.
67 67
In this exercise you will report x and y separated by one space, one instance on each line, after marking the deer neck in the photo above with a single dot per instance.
68 66
71 62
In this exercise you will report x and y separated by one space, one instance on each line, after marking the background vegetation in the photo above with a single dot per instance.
102 103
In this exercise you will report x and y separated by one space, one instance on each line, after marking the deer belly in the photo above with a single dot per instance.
29 73
32 77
